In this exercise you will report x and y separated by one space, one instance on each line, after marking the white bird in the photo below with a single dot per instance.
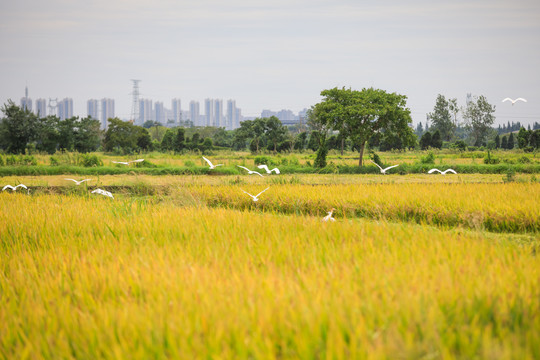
514 101
268 171
128 162
329 216
250 171
442 172
79 182
103 192
383 171
14 188
256 197
212 166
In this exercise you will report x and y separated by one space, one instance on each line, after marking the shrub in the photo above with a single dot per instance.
88 160
524 160
1 161
54 161
259 160
428 159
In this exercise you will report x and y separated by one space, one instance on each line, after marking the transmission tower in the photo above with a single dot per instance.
135 104
53 107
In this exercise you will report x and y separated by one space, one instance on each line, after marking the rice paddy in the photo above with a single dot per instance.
189 267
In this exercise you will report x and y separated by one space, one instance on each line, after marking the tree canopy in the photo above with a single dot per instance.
359 115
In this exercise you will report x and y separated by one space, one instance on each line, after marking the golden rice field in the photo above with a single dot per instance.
189 268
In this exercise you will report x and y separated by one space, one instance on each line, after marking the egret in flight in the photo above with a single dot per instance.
103 192
250 171
329 216
212 166
78 182
268 171
383 171
256 197
14 188
442 172
128 162
514 101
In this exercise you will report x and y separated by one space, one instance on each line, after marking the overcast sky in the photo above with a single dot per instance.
276 54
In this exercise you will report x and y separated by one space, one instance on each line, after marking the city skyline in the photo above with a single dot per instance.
273 55
215 114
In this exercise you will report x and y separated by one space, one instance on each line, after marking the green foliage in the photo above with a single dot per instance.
436 140
18 128
491 160
479 117
262 160
360 114
441 119
89 160
425 141
428 159
123 136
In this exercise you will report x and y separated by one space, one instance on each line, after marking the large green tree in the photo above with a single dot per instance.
18 128
479 117
122 135
441 118
362 114
274 131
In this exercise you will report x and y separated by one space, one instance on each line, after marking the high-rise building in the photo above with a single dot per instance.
194 112
145 111
231 115
219 121
26 102
159 113
92 109
41 108
107 112
209 112
176 106
65 108
267 113
239 118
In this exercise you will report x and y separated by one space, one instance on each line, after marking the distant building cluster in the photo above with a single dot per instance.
214 113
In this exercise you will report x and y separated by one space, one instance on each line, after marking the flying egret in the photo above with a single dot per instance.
78 182
514 101
256 197
383 171
14 188
268 171
250 171
329 216
212 166
128 162
442 172
103 192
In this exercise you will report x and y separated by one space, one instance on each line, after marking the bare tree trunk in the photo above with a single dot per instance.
361 153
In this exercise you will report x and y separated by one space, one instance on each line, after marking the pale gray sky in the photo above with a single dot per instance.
275 54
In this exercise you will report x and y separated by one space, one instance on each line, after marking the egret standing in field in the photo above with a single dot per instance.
268 171
250 171
78 182
128 162
514 101
383 171
442 172
256 197
212 166
103 192
329 216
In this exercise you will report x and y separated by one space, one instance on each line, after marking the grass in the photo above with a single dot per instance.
135 278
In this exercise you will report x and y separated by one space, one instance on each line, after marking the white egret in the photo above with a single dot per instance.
514 101
268 171
250 171
442 172
329 216
383 171
14 188
103 192
128 162
78 182
212 166
256 197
